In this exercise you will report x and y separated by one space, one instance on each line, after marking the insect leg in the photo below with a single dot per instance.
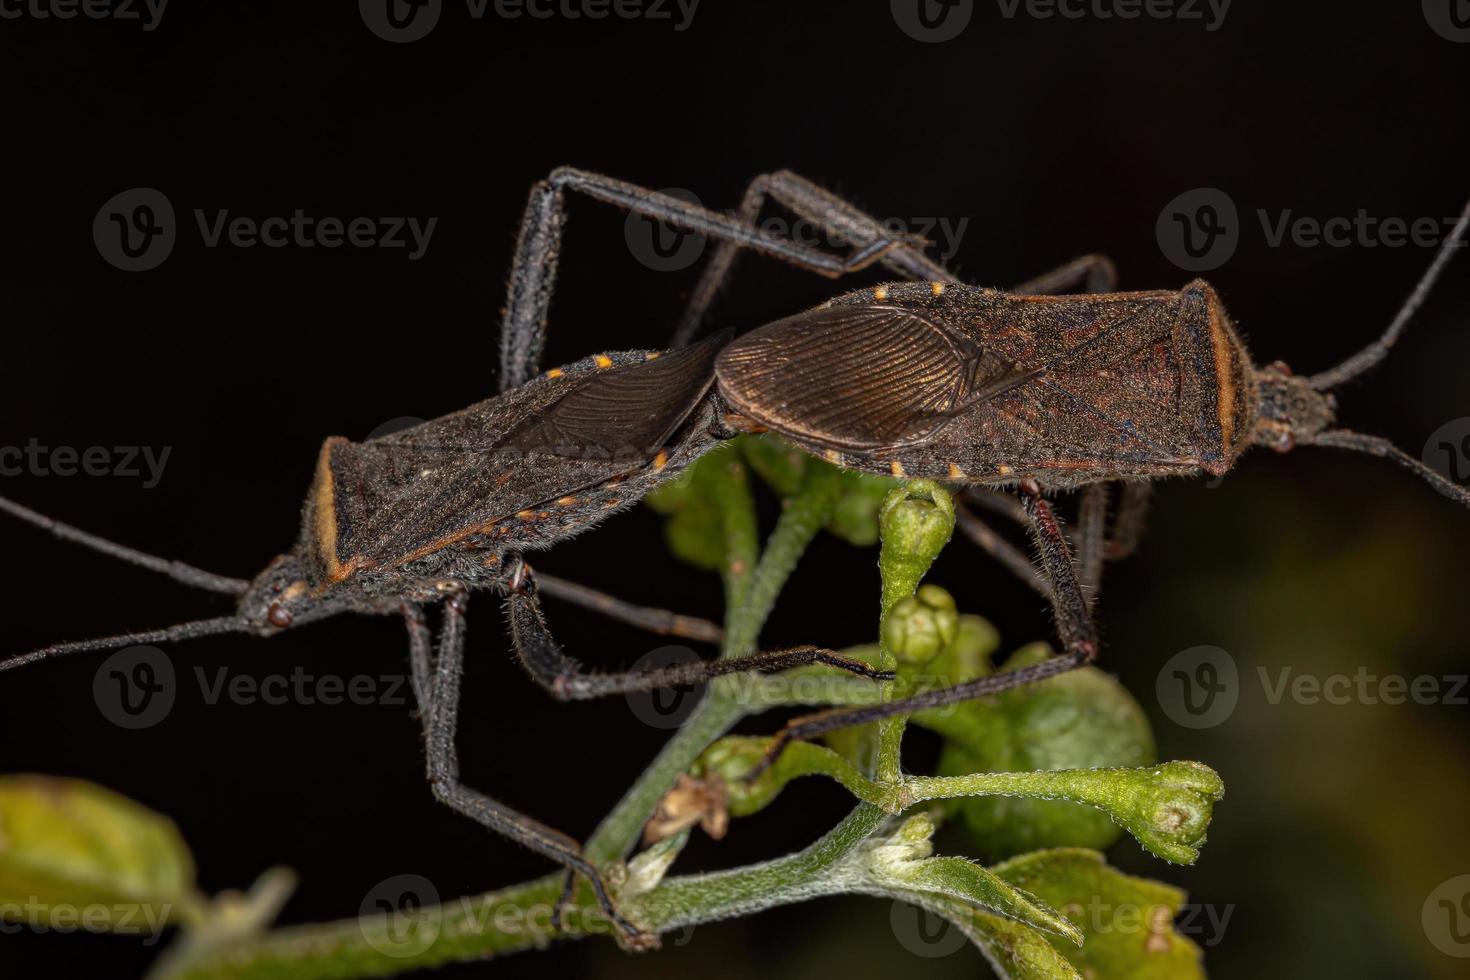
1128 523
654 620
533 272
999 548
441 719
1074 627
1092 522
833 216
568 680
420 658
1095 273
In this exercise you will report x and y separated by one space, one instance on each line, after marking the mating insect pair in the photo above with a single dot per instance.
926 378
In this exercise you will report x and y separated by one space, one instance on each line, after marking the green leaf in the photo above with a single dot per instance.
1127 922
74 854
695 529
784 468
1081 720
904 861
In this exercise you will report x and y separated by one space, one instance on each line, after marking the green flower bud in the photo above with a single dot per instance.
1168 808
916 522
917 628
729 760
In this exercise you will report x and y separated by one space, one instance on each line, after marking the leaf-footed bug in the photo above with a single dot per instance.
933 379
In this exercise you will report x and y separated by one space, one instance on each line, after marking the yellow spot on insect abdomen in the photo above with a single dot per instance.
554 373
661 460
602 361
937 288
880 294
955 473
896 468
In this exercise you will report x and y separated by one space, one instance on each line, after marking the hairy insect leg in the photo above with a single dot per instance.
568 680
1013 558
440 714
833 216
1092 519
1094 273
1128 522
654 620
533 271
1075 629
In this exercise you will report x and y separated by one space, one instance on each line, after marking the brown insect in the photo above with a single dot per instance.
933 378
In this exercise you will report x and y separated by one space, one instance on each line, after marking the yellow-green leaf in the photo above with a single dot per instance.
75 855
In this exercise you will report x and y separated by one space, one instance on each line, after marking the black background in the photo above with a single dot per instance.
1051 137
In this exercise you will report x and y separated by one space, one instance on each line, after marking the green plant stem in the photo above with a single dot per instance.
753 585
519 917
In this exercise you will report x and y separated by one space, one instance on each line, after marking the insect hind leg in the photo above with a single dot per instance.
538 247
440 714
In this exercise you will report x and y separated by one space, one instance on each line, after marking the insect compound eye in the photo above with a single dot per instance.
279 616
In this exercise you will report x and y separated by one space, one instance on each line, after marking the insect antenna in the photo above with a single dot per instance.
1382 448
1378 349
176 570
179 631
